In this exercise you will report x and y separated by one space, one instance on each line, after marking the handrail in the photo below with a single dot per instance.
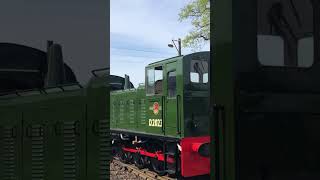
219 126
178 115
163 114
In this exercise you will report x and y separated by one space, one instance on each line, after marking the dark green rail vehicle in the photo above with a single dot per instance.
164 123
265 90
50 126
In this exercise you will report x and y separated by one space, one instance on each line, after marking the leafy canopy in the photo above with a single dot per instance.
198 11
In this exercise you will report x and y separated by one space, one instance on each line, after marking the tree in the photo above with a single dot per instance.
198 11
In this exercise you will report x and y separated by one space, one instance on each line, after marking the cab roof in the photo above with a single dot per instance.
175 58
166 60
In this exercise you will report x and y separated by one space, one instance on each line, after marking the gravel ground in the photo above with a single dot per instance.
118 173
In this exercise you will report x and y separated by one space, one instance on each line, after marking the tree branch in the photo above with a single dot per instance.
205 38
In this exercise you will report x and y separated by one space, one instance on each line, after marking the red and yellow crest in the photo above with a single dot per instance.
155 108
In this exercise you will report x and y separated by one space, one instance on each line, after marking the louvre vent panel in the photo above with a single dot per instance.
8 158
70 155
104 149
114 114
37 153
143 113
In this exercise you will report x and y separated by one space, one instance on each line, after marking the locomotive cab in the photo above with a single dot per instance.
180 87
196 94
177 93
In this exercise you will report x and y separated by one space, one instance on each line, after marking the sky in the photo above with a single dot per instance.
140 31
80 26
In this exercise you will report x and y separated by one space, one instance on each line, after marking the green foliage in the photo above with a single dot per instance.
198 11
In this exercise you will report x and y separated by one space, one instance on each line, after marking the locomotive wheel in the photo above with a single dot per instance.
139 160
122 156
125 157
115 151
158 166
147 162
129 157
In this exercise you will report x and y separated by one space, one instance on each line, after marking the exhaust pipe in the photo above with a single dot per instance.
56 73
126 82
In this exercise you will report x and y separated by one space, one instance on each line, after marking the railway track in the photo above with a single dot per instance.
142 173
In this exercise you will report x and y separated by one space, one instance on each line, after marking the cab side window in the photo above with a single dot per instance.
172 84
154 80
150 81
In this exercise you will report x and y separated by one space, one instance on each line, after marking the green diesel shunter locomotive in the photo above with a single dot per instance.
51 127
164 123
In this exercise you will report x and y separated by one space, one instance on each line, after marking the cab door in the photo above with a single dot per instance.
172 119
154 96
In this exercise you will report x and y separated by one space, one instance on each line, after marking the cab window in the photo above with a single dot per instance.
154 80
172 85
199 71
